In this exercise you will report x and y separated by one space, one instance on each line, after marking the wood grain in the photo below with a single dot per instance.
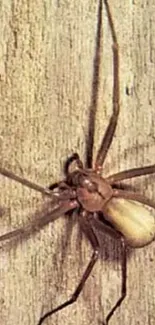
46 67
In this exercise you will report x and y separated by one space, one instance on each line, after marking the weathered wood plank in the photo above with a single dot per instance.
46 67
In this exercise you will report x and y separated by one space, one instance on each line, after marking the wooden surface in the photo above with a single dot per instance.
46 67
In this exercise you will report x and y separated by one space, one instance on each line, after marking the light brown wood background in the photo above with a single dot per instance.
46 66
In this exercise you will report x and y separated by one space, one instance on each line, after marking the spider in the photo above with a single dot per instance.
96 200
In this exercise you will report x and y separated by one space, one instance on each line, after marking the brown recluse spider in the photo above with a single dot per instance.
96 200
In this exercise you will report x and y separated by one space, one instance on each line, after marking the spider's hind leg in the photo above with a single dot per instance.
123 284
89 232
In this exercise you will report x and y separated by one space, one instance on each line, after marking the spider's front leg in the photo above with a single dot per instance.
108 137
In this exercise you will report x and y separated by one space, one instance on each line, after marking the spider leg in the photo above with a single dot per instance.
86 227
107 139
95 89
134 172
129 195
51 213
24 181
77 163
123 284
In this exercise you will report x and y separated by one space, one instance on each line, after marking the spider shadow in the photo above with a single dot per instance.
110 246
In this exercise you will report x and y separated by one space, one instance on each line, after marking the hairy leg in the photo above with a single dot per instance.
123 284
129 195
24 181
131 173
107 139
49 214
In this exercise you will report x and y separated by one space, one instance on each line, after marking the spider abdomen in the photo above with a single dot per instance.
132 219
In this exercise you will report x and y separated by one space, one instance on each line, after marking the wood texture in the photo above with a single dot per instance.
46 67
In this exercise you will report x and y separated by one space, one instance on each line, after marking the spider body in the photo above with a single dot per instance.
95 194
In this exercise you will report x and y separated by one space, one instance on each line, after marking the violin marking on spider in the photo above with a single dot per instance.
95 199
